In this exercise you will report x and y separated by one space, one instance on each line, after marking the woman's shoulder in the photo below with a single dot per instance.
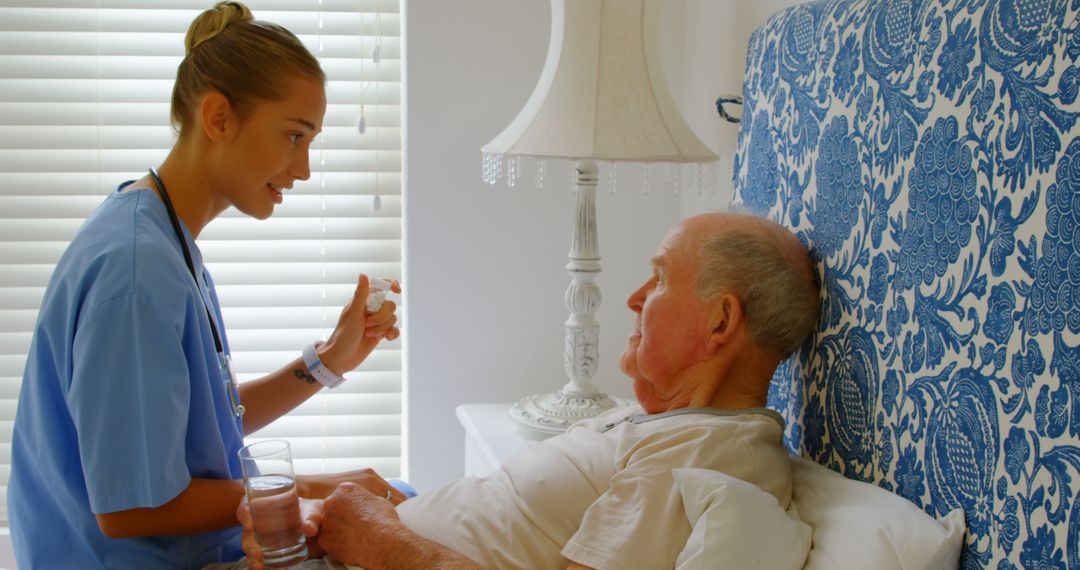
121 218
124 247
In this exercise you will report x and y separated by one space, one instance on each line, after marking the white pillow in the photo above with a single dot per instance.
858 525
737 525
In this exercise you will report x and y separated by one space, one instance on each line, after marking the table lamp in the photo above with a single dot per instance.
601 96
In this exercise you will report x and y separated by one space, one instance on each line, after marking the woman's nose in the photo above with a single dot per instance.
299 169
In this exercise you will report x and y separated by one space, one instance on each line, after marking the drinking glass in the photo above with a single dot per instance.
275 507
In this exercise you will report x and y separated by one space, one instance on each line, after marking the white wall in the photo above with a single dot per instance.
716 34
484 272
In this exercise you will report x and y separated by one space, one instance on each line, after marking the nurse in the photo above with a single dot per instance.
124 452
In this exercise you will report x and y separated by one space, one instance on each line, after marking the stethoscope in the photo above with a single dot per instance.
231 386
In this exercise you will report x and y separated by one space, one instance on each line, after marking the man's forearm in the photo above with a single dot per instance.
398 548
362 528
419 552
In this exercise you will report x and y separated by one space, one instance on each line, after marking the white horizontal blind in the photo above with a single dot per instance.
84 105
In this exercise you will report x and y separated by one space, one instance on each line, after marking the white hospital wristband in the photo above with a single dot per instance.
324 375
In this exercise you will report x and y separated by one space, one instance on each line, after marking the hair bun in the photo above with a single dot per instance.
214 21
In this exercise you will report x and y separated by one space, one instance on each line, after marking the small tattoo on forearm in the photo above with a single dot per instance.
304 375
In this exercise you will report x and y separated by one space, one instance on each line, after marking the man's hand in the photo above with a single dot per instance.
310 516
357 333
356 525
364 529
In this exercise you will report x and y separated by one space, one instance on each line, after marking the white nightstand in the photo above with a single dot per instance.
491 436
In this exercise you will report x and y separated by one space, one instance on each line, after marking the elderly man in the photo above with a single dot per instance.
729 298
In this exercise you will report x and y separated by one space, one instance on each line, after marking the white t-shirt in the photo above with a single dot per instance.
601 494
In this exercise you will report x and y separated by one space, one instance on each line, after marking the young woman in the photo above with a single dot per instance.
125 444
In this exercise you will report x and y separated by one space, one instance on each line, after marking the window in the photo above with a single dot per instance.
84 105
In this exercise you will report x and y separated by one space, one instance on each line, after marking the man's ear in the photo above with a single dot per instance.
725 320
217 116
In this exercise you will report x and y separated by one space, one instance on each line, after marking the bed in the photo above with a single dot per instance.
927 153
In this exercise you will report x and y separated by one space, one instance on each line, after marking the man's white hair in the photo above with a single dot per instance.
769 271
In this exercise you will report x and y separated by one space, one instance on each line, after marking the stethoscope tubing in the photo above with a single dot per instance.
232 386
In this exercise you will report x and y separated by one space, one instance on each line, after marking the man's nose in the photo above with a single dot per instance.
637 298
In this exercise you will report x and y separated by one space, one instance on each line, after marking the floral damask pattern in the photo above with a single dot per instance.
942 205
839 186
928 152
1056 290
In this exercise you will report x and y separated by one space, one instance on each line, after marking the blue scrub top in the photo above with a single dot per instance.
123 400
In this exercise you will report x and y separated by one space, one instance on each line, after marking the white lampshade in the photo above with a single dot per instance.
602 94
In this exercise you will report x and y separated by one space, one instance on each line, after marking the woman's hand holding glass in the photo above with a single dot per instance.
313 489
310 516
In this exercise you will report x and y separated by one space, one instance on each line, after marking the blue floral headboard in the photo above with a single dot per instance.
927 152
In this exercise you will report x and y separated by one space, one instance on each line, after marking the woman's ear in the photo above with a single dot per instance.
216 115
725 320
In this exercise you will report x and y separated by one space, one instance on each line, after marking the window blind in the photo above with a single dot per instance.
84 105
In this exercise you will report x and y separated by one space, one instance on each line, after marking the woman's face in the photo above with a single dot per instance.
268 151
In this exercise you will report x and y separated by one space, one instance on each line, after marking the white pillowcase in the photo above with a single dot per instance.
737 525
855 525
858 525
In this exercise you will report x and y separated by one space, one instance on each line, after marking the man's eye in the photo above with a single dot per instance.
296 137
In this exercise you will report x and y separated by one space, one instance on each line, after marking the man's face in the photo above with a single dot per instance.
670 330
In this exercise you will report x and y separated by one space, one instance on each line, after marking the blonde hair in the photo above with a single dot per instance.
228 51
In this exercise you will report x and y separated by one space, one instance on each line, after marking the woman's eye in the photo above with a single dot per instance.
296 137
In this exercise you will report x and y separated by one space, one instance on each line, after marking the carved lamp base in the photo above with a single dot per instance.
555 411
